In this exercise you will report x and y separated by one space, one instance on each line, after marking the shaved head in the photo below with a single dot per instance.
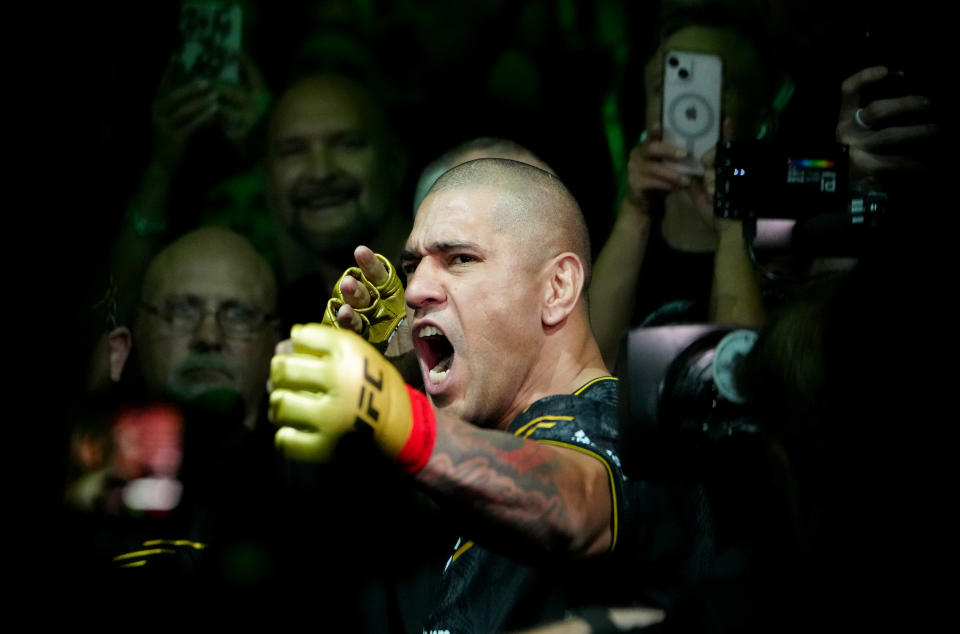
496 267
534 205
211 248
480 147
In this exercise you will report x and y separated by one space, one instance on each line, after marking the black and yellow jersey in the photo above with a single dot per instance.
663 538
483 591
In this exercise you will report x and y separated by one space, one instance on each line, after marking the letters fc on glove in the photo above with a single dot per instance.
335 383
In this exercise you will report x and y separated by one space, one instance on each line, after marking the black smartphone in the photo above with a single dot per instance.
210 41
878 48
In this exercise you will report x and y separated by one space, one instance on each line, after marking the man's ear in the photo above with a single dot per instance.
120 341
564 287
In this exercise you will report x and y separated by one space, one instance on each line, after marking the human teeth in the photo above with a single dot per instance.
440 371
426 331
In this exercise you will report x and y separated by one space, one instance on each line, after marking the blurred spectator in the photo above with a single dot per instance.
222 508
891 128
206 323
657 267
863 463
334 172
203 133
203 335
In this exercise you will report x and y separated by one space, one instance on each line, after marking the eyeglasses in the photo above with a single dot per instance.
235 319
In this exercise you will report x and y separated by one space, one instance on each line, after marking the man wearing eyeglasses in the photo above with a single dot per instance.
205 326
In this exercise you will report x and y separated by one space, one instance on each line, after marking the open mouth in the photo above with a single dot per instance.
435 352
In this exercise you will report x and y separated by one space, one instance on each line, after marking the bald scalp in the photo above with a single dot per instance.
535 206
480 147
212 244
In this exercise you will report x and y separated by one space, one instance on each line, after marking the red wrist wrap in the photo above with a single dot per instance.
416 451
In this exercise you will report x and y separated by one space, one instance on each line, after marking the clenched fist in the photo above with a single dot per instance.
334 383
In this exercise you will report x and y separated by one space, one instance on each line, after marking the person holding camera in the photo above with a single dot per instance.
666 249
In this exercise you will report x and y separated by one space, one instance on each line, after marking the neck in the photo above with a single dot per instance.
569 358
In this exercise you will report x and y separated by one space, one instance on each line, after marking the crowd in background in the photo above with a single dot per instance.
223 212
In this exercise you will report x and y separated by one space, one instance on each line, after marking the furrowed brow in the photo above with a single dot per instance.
409 256
443 247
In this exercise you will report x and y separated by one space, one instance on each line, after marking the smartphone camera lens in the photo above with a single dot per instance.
684 73
674 62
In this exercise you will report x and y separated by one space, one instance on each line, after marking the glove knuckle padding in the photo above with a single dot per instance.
336 382
315 339
309 411
300 371
305 446
386 309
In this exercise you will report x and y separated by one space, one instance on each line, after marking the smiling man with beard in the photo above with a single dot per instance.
517 438
334 169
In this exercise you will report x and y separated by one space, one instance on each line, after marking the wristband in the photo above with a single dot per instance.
423 433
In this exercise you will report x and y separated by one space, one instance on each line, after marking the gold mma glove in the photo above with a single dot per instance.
385 312
335 383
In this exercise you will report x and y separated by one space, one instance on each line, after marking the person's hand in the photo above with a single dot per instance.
242 106
178 112
649 176
887 136
368 299
703 190
326 382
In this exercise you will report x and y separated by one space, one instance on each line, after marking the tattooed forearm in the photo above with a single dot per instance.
519 493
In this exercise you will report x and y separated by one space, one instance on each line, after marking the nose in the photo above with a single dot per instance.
424 287
320 162
208 335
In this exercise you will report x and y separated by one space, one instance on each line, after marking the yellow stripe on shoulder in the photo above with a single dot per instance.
614 520
463 548
144 553
540 419
538 426
135 564
589 383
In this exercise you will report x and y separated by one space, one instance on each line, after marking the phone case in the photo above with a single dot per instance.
692 84
211 33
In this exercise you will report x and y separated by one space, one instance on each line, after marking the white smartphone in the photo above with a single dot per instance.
692 98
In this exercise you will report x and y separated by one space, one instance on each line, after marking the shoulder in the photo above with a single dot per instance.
586 419
593 403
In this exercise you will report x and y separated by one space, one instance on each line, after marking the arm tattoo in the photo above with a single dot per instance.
516 493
